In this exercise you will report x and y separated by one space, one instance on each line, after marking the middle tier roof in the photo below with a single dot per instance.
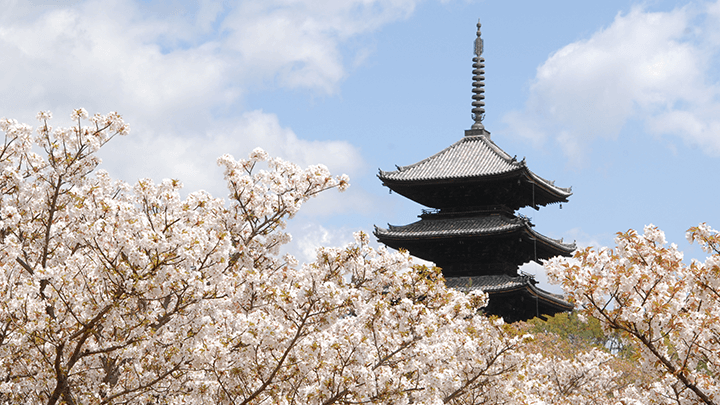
427 238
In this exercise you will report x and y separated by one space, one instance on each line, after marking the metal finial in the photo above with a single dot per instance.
478 111
478 41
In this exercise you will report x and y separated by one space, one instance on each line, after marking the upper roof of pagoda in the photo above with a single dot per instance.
475 160
471 157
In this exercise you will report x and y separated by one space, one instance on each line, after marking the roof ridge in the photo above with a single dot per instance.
492 145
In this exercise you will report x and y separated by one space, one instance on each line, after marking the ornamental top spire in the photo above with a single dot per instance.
478 111
478 41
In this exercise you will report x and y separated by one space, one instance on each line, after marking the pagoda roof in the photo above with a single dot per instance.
472 158
476 226
488 284
502 283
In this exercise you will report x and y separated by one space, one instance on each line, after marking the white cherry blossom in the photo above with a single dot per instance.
119 293
668 310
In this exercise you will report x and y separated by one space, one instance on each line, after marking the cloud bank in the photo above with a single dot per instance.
179 73
658 68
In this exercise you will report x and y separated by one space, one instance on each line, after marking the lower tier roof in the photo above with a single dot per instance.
513 298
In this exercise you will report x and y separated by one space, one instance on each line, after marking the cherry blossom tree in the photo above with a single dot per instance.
118 293
667 310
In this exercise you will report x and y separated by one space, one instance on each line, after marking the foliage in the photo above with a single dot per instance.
568 326
567 336
667 310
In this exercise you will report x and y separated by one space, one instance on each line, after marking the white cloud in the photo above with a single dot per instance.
313 237
584 240
296 42
178 71
179 63
651 66
538 272
264 130
192 159
104 56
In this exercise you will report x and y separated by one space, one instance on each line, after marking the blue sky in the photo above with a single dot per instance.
618 99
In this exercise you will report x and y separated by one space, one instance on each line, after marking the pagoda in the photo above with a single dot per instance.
471 229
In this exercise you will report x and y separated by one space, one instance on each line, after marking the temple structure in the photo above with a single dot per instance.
471 229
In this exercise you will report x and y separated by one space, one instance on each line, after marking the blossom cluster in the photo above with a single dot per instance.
120 293
667 310
112 292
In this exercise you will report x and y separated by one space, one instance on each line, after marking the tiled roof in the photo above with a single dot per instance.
493 283
471 157
480 225
467 226
504 283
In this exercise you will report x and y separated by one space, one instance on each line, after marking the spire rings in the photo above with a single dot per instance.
478 111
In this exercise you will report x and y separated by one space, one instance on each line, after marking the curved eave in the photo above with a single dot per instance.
561 193
566 248
550 298
535 189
